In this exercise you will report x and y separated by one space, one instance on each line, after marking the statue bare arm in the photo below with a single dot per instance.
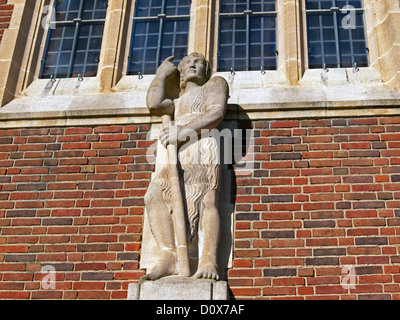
157 101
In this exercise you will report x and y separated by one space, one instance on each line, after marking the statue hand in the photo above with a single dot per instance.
167 68
169 135
177 135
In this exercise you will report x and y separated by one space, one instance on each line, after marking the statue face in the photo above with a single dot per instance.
193 69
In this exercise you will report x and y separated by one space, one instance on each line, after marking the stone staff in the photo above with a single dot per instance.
178 211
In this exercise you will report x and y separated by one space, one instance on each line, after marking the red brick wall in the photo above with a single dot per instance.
5 16
71 198
323 194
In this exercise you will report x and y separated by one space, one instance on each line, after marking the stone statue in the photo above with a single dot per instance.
182 199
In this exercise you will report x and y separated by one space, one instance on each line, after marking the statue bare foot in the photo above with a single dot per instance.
207 268
165 266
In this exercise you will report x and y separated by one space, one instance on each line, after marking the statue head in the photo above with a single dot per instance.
194 68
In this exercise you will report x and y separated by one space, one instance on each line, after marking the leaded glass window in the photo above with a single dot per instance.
336 34
73 44
160 30
247 35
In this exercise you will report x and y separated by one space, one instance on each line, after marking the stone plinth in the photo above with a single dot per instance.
178 288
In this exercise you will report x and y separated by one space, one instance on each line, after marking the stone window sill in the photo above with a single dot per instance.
337 93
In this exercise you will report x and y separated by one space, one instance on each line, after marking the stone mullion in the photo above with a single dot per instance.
201 27
288 33
386 28
15 51
110 65
32 61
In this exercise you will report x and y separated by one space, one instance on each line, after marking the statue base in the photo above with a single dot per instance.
178 288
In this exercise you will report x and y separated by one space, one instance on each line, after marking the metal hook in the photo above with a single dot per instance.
80 78
232 72
262 70
140 76
325 68
52 78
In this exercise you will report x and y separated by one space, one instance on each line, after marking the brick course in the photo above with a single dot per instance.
323 194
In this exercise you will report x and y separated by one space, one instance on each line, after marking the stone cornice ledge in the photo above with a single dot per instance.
271 103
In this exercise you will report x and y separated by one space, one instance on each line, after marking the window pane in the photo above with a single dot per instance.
147 8
67 9
232 43
262 43
336 38
144 45
353 3
353 43
233 6
174 40
73 49
177 7
319 4
154 40
247 42
59 52
263 5
94 9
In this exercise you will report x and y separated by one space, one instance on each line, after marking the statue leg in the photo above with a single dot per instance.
161 225
210 224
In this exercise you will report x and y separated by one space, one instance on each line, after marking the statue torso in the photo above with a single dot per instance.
189 105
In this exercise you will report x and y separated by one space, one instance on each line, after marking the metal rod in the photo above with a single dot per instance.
239 14
247 42
247 12
333 9
233 41
72 22
160 32
351 47
73 50
46 49
262 47
155 18
337 46
75 41
321 34
58 55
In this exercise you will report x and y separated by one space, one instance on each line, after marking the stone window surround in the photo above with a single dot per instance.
292 91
